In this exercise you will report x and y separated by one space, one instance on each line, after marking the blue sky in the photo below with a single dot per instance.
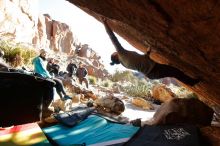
87 29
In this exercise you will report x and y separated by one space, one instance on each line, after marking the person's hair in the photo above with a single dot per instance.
43 51
51 60
115 58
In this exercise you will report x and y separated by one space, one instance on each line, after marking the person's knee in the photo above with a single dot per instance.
57 80
59 83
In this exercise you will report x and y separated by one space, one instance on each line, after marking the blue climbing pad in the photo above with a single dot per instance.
94 130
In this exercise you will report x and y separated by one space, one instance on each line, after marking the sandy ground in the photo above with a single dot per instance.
131 111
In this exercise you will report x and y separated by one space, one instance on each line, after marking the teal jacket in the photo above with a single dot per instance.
40 67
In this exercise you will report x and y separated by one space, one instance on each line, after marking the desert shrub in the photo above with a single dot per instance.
17 54
131 84
182 92
107 83
138 89
123 76
92 80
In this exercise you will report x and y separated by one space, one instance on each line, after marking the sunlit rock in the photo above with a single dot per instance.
18 20
142 103
162 93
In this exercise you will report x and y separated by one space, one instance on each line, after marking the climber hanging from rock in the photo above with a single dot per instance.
143 63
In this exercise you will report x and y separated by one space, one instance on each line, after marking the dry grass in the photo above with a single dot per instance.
17 54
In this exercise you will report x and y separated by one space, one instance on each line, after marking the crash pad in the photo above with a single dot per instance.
26 135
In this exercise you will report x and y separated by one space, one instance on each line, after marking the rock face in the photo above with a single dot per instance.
181 33
18 19
92 61
61 37
20 22
211 134
54 34
180 110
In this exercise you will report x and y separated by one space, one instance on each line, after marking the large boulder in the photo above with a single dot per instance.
110 104
180 33
211 135
142 103
25 98
183 110
162 93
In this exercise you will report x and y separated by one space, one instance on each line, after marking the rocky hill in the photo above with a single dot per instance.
20 23
54 34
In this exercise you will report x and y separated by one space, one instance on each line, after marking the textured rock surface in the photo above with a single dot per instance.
162 93
93 62
41 34
182 33
20 22
212 135
99 72
142 103
54 34
61 37
18 19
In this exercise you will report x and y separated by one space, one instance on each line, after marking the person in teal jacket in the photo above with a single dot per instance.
40 63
